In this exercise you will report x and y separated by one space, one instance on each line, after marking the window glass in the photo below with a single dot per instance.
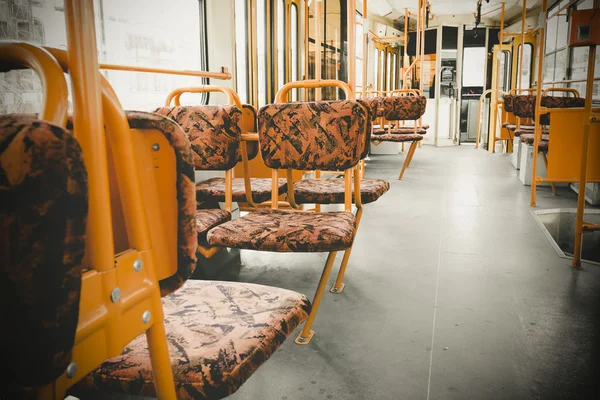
527 63
241 49
549 67
551 29
560 66
175 39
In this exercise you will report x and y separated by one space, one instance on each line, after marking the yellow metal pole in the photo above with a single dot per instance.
579 222
422 50
494 98
306 45
318 46
522 52
351 36
223 75
89 129
365 48
538 100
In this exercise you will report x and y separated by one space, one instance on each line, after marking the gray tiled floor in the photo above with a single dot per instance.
452 292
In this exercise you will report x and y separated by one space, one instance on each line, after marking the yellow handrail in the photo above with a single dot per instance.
55 104
175 95
564 90
313 84
223 75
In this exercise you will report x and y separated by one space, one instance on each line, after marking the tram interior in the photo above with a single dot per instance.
300 199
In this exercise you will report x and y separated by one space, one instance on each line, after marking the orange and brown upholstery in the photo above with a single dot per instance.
250 112
400 130
309 136
530 137
214 189
287 231
528 130
397 137
219 333
331 191
43 212
206 219
213 131
404 108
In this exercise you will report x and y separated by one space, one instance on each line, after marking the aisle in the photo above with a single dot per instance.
452 292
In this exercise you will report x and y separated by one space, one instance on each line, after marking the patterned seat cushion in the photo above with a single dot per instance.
520 132
530 137
400 130
43 214
214 189
409 137
513 127
404 108
332 191
218 333
287 231
206 219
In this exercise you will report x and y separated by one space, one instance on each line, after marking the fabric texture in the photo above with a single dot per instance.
332 191
409 137
366 139
208 218
404 108
218 334
399 130
43 214
519 132
187 242
508 103
314 135
530 137
287 231
214 133
213 189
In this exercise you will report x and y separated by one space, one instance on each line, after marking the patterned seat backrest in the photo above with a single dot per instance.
524 106
508 103
213 131
404 108
373 103
311 136
187 240
43 213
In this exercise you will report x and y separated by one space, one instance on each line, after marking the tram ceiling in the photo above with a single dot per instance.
394 9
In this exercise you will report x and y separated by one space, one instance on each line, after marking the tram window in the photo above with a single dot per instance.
505 70
281 43
241 50
388 73
359 51
527 64
261 46
294 31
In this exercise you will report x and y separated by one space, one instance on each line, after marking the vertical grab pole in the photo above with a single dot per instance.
405 59
494 97
89 129
538 100
351 36
318 46
306 45
418 36
522 52
589 92
365 49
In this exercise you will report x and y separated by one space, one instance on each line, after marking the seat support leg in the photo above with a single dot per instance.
161 362
338 286
307 334
407 160
545 158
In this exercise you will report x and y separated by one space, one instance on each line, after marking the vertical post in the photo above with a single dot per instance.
584 156
418 37
89 129
495 93
422 58
365 48
351 37
318 46
306 45
522 52
538 99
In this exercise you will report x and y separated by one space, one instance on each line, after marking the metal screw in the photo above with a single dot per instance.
146 316
156 147
115 295
71 370
301 340
137 265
